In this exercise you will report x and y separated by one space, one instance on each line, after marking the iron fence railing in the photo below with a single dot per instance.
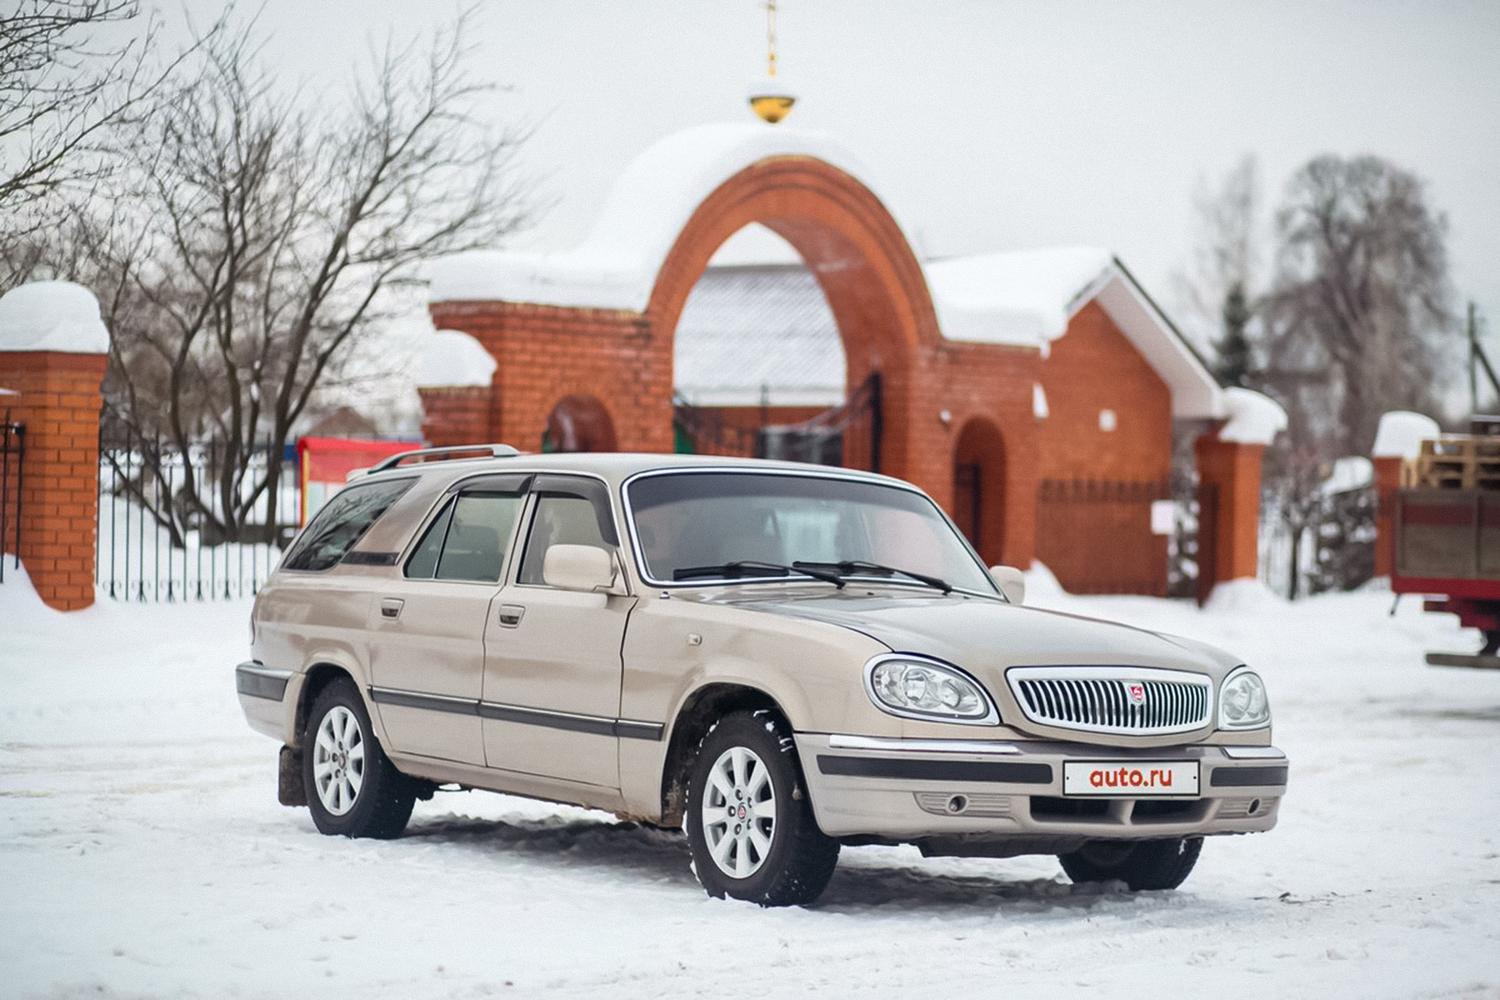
12 484
194 524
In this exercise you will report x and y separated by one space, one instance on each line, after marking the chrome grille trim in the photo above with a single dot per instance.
1097 700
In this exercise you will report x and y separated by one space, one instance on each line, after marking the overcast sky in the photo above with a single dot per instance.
993 125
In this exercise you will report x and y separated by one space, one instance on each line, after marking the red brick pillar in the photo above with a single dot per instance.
1231 471
53 352
453 415
57 485
1387 483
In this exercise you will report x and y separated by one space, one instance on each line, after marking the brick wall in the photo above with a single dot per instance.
58 400
1098 539
453 415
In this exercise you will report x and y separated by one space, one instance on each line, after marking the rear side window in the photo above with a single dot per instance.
342 522
468 540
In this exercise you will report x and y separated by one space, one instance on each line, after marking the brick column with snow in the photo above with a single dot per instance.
1229 461
454 378
53 352
1398 440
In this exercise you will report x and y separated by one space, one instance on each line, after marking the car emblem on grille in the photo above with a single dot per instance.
1137 692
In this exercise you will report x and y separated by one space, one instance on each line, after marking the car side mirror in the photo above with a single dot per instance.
1011 583
578 567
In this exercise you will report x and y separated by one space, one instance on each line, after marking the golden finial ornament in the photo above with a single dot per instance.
768 99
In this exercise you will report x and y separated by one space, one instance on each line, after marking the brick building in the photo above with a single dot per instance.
1034 395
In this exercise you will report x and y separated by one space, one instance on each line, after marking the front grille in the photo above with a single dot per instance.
1121 700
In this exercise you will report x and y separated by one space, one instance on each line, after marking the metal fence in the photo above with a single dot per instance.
172 529
12 481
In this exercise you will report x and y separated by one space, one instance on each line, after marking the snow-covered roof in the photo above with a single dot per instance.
1401 433
452 358
52 316
1253 418
1021 297
750 330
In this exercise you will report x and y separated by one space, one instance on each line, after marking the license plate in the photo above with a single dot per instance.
1130 778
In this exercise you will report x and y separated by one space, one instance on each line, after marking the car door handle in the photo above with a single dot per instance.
391 607
510 615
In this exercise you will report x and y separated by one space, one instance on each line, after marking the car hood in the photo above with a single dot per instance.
985 636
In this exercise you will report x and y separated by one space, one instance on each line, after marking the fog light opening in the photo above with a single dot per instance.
1254 806
958 804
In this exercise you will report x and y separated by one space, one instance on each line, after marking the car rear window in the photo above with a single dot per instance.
342 522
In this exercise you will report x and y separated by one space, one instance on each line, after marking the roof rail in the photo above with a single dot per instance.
490 450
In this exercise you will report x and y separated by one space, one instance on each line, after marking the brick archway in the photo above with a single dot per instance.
851 244
979 487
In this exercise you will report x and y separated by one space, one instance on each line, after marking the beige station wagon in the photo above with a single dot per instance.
780 658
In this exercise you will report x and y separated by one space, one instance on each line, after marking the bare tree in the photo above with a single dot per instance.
63 86
1359 319
256 241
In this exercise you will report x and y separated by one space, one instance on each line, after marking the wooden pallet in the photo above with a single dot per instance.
1459 462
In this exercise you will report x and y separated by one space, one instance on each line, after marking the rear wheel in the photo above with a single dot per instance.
749 821
1142 864
353 788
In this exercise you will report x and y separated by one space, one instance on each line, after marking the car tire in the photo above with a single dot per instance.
749 819
1142 865
353 789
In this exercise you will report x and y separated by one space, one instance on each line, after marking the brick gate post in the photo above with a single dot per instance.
1229 460
53 352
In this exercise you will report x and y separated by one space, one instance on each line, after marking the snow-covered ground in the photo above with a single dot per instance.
142 852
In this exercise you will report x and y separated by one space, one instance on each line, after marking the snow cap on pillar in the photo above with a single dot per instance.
1401 433
1253 418
52 316
454 359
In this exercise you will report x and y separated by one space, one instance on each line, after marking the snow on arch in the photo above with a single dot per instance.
52 316
452 358
651 202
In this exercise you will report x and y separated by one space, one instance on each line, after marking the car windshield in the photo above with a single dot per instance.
689 523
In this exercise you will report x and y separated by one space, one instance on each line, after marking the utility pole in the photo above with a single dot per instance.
1473 361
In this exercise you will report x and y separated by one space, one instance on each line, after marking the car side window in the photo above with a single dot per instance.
424 559
559 520
342 522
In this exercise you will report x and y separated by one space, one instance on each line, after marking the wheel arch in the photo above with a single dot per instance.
317 677
703 707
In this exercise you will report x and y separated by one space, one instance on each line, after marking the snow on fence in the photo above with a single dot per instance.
157 543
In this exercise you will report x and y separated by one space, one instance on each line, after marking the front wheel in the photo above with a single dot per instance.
749 822
1142 865
353 788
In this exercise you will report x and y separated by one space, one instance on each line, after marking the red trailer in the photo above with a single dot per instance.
1447 539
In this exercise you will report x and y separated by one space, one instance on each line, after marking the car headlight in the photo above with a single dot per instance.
920 688
1242 701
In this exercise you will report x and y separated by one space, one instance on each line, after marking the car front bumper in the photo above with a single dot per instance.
912 790
268 698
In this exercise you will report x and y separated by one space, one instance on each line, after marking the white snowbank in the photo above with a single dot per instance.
1253 418
1021 297
616 265
52 316
1401 433
452 358
1352 472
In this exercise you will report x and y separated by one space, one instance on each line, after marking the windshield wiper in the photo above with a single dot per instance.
849 567
754 567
